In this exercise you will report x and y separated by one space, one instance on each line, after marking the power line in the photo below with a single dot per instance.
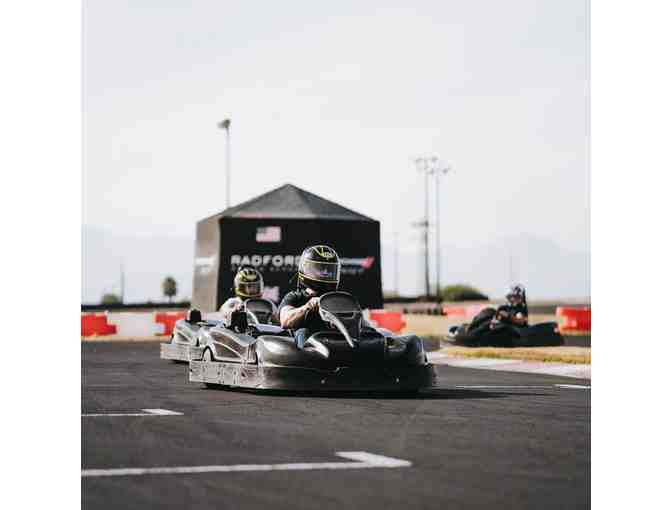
423 166
396 263
122 281
431 166
438 172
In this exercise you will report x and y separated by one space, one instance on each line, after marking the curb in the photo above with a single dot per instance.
578 371
116 338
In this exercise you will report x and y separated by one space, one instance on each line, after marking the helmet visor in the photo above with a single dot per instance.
328 272
249 289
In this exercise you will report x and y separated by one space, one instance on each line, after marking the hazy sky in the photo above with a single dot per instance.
338 98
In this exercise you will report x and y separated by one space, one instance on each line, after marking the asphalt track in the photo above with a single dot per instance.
503 440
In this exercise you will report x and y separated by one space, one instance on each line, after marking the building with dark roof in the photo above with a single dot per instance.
269 232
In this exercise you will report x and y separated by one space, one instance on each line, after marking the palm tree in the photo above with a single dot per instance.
169 287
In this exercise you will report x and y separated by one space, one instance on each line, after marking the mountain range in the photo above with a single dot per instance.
547 269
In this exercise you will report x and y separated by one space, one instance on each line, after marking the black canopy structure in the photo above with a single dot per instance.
269 232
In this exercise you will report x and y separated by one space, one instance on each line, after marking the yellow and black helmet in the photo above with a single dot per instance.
248 283
319 269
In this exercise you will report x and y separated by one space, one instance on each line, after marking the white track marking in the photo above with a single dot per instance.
162 412
513 387
578 371
364 460
146 412
500 387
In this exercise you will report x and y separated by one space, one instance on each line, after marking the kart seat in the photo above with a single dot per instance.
239 321
194 316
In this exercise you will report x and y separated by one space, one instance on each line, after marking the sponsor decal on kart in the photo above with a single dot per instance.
290 263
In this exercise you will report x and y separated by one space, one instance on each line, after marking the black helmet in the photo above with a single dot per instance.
319 269
516 291
248 283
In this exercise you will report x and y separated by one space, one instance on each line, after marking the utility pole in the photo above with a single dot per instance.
423 166
396 264
122 282
438 172
225 125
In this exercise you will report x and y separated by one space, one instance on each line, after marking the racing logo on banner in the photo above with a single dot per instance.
364 263
290 263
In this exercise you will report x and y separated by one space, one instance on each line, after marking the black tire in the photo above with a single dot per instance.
207 356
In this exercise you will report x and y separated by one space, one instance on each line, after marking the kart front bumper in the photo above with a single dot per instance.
306 379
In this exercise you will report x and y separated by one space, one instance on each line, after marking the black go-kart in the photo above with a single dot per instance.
502 334
350 355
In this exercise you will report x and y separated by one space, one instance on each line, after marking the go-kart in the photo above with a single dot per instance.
503 334
350 355
188 339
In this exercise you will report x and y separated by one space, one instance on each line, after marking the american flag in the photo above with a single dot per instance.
268 234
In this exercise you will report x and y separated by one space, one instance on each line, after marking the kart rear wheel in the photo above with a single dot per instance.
172 341
207 356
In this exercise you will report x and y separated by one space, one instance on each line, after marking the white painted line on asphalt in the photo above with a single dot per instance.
573 386
162 412
146 412
517 387
578 371
500 387
364 460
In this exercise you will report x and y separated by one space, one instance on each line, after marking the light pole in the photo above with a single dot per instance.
422 165
396 263
121 281
225 125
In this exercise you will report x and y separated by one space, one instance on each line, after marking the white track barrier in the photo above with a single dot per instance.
131 324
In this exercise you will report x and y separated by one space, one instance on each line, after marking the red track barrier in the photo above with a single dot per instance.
454 311
168 319
388 319
96 324
573 318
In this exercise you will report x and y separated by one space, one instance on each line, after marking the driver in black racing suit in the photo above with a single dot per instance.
319 272
514 312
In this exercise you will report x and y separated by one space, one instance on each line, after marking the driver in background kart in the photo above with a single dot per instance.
319 273
248 283
515 310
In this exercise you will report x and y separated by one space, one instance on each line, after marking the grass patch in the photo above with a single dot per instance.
561 354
